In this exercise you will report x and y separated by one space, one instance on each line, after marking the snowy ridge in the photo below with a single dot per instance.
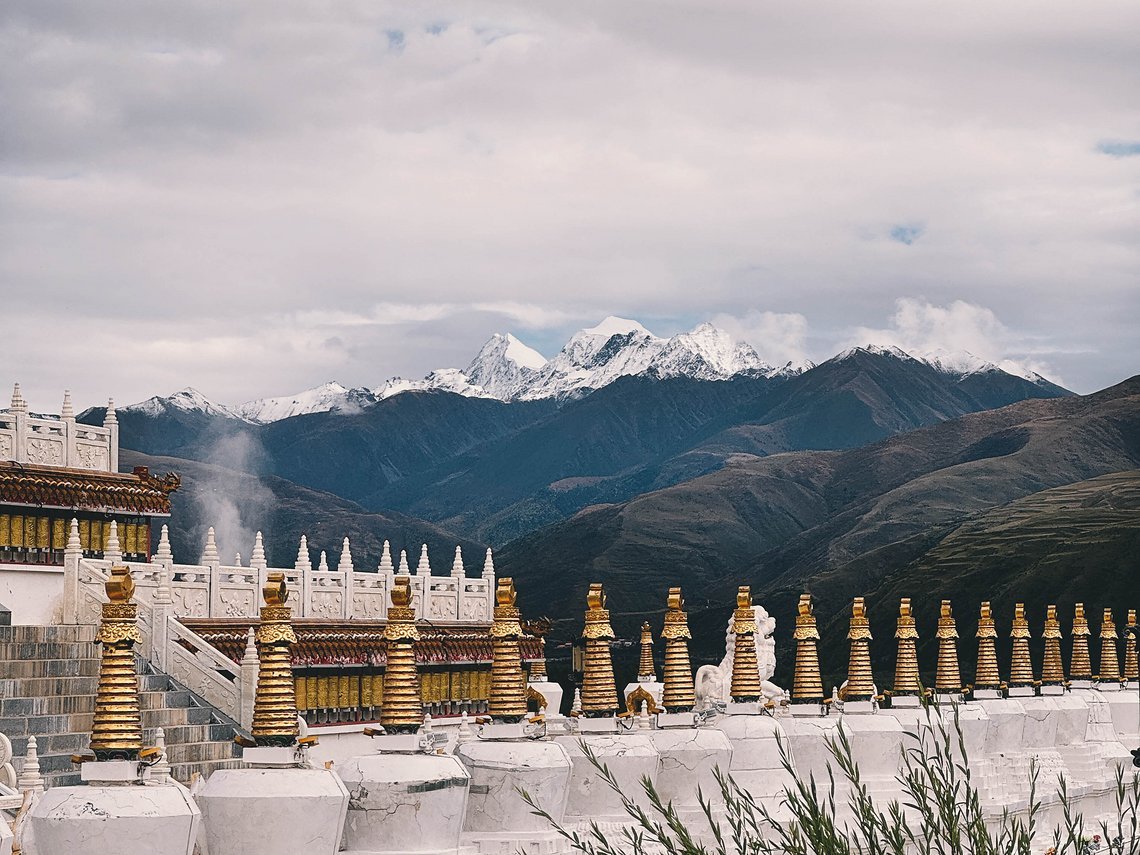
505 369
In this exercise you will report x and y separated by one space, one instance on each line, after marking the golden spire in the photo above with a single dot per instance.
1052 668
1021 665
678 695
987 674
646 672
860 682
537 671
807 685
402 708
1080 665
948 679
1131 665
907 681
116 733
745 669
275 702
508 686
1109 657
599 692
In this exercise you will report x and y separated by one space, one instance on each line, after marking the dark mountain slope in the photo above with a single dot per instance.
837 523
238 504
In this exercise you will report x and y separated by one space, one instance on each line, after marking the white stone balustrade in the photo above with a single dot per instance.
43 440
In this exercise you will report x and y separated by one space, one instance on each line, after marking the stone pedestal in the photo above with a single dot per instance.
655 688
629 756
552 693
497 819
1124 707
689 758
756 764
270 806
114 816
877 743
404 803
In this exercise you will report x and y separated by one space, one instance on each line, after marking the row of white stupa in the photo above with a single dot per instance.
459 790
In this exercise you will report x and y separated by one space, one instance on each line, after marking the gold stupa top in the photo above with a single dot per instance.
1109 656
275 701
860 682
508 683
948 677
987 676
807 684
1052 668
401 709
907 681
599 691
745 685
116 731
1080 664
646 671
1021 665
678 694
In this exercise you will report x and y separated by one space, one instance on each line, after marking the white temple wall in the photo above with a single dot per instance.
34 594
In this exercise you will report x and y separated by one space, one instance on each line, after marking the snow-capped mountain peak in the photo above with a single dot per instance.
613 325
960 362
504 366
187 400
320 399
873 349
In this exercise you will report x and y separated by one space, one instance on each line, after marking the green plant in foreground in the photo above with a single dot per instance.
940 812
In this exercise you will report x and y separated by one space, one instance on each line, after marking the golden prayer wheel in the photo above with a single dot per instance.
678 695
807 684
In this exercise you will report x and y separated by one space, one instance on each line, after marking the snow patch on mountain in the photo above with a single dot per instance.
320 399
504 367
187 400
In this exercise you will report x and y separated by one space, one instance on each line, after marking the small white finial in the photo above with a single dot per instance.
324 565
386 559
110 418
73 544
424 567
19 405
576 705
237 559
30 778
643 722
67 411
345 563
160 771
427 723
403 571
257 558
303 562
113 552
210 553
163 553
249 657
457 563
465 734
489 565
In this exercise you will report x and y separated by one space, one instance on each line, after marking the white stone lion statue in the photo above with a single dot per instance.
713 681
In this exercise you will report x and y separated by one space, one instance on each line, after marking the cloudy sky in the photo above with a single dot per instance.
255 197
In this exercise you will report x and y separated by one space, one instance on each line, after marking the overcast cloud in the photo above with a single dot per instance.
255 197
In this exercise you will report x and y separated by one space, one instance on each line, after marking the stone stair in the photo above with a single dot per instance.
48 678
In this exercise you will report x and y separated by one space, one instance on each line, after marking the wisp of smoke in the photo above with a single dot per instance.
234 501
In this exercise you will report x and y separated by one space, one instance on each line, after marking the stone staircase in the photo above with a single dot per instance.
48 678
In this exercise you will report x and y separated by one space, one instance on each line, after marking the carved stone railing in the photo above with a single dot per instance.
58 440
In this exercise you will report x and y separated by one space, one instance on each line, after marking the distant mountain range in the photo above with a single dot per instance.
505 369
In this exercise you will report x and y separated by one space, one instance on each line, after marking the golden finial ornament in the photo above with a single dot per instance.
678 695
987 676
745 684
948 677
508 685
1021 665
1052 667
1131 664
116 731
860 682
807 684
907 681
1080 664
275 702
402 708
1109 656
646 672
599 691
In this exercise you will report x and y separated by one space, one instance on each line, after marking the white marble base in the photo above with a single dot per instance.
1107 687
552 693
808 710
905 702
497 730
111 772
404 803
270 811
987 694
859 707
688 761
499 769
268 755
597 725
744 708
1021 692
402 743
629 756
676 719
1052 690
115 820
